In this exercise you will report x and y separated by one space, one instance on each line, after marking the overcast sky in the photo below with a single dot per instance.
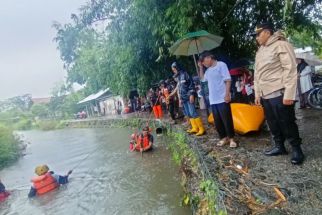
29 60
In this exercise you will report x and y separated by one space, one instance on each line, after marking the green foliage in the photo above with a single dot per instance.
47 125
40 110
189 199
304 39
123 44
63 103
9 146
23 124
181 150
22 103
16 119
211 195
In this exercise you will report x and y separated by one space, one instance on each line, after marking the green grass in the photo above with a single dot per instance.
23 124
47 125
9 146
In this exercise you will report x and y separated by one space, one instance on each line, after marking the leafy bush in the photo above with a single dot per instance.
47 125
23 124
40 110
9 146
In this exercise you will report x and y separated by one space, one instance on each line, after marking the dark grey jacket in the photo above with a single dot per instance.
186 86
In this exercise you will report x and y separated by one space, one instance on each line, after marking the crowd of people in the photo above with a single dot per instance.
80 115
274 85
277 79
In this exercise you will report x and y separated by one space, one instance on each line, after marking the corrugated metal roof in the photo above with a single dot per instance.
94 96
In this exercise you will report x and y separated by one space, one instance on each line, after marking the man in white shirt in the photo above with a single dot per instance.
219 82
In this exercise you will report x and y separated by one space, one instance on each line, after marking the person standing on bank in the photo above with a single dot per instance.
187 93
275 88
305 81
219 83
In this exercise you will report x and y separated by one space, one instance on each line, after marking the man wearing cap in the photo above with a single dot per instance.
275 88
219 83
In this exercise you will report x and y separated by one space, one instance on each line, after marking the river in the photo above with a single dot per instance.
108 179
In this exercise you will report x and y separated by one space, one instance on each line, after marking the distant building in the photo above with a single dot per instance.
102 103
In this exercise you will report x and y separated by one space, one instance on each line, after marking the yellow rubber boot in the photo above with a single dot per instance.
194 126
200 127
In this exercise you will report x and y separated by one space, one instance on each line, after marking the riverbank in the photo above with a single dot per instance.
255 183
244 180
11 147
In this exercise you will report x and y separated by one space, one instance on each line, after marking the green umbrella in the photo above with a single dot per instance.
195 43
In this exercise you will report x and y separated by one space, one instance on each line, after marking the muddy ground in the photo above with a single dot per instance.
255 184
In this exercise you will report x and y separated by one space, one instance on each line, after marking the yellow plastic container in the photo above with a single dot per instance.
246 117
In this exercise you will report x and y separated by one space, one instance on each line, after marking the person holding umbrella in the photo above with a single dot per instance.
187 96
219 83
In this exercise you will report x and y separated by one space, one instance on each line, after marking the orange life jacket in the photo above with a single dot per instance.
165 92
145 143
44 183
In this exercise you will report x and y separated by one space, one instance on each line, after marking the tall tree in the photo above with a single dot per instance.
123 44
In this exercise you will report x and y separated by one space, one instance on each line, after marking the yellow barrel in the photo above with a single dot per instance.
246 117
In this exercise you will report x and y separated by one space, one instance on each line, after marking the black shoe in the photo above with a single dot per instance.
276 150
297 155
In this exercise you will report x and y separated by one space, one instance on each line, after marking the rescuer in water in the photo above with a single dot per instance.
46 181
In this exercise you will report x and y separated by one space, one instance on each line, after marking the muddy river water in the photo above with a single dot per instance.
108 179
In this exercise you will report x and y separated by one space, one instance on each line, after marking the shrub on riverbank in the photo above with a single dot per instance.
47 125
23 124
201 190
9 146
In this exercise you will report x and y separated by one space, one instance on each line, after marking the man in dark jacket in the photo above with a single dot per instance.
187 96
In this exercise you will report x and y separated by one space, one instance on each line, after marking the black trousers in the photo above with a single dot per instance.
172 110
223 120
281 121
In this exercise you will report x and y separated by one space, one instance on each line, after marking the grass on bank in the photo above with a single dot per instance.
47 125
204 200
9 146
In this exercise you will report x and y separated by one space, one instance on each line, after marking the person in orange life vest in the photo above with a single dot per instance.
164 93
156 103
166 90
3 193
46 181
145 140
